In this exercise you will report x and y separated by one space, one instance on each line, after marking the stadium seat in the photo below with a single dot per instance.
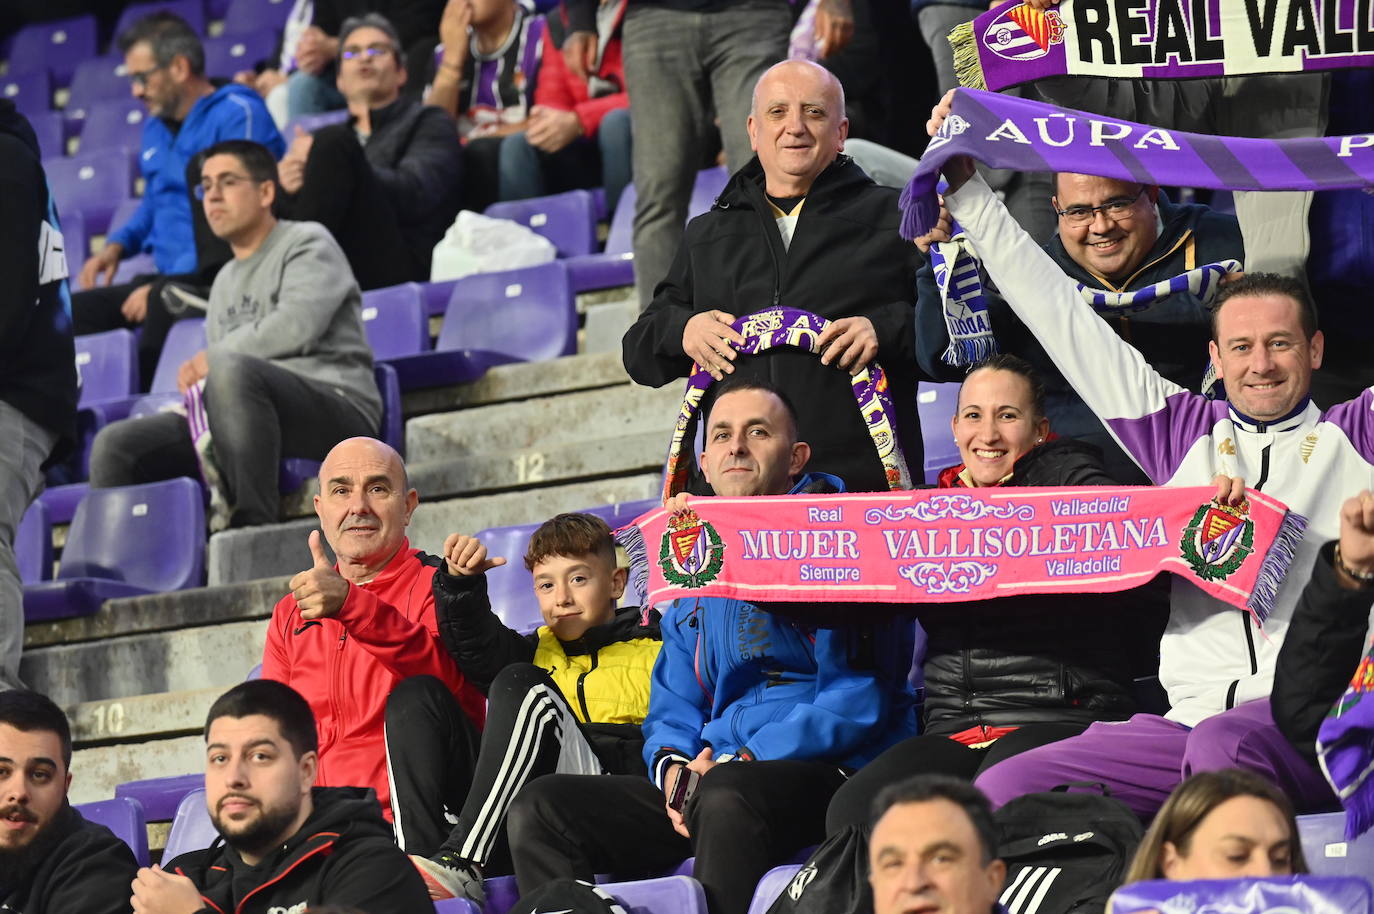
771 886
312 122
94 183
396 321
124 817
53 47
130 268
524 315
936 405
502 894
1287 894
47 126
193 11
162 797
62 501
243 15
623 512
615 265
667 895
510 588
1327 851
707 186
456 906
76 240
106 365
113 124
568 219
96 80
31 92
33 545
192 828
125 541
240 50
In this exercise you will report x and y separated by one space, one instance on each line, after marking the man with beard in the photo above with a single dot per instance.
285 845
51 859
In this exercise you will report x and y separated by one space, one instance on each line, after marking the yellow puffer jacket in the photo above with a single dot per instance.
604 674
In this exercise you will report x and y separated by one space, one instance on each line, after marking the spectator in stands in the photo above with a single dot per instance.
349 632
38 386
385 183
52 860
578 133
567 698
1326 639
287 370
1120 236
769 714
1218 673
804 227
686 63
166 65
934 848
287 843
1225 824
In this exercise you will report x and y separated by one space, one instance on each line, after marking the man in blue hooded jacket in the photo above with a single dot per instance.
166 66
770 714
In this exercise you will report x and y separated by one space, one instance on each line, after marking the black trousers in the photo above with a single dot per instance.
853 803
97 310
745 818
341 193
432 751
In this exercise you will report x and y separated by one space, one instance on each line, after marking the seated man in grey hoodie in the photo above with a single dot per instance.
287 370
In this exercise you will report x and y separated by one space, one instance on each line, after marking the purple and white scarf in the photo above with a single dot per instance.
1006 132
1014 43
1345 749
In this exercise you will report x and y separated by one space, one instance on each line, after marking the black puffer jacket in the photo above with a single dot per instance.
1040 658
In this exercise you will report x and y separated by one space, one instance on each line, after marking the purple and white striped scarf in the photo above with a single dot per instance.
1006 132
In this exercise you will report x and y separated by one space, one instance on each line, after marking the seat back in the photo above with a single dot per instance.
33 544
106 365
31 92
527 313
258 14
771 886
113 123
192 829
707 186
124 817
393 424
936 404
677 894
620 236
150 535
96 80
241 50
47 126
94 183
510 588
193 11
395 321
185 339
568 219
1289 894
76 240
1327 851
53 47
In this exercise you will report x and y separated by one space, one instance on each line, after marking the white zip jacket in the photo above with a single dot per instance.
1212 656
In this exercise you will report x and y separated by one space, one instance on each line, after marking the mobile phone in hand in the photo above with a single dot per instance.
683 787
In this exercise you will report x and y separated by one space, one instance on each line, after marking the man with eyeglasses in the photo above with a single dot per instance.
385 183
166 67
1118 236
287 368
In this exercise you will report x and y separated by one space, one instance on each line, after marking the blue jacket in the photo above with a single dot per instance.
744 681
162 224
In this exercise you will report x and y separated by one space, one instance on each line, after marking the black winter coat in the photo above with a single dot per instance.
81 867
1037 658
845 259
343 855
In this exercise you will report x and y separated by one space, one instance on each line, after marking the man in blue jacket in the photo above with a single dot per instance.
769 714
166 65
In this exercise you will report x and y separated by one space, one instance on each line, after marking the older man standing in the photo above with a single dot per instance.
800 226
347 633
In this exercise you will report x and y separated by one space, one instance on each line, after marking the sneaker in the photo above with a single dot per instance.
447 876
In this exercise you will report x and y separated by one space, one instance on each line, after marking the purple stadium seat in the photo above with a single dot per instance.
1327 851
62 501
54 47
312 122
436 296
193 11
94 183
624 512
31 92
47 125
615 265
238 50
771 886
936 405
130 540
456 906
510 588
502 894
524 315
132 267
396 321
123 213
112 124
192 829
707 186
243 15
667 895
568 219
296 470
96 80
124 817
161 797
107 365
255 672
1249 895
33 545
77 240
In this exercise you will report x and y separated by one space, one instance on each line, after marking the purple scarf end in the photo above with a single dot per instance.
920 207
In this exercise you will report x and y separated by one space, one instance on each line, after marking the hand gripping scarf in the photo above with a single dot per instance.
1014 43
1345 749
1006 132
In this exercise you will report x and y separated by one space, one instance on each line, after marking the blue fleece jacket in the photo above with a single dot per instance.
162 223
746 682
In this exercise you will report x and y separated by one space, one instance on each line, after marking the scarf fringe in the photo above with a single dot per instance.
1359 812
1277 561
631 539
970 351
967 68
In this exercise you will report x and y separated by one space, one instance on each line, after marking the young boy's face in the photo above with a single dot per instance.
577 592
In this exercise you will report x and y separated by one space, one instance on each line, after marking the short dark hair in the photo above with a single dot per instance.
924 788
373 21
736 383
1005 361
29 711
168 36
273 699
1258 284
255 158
571 535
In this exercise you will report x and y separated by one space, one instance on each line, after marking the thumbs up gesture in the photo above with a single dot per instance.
320 591
465 555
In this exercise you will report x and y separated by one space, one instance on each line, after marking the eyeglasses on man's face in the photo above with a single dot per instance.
371 52
1116 209
140 78
225 182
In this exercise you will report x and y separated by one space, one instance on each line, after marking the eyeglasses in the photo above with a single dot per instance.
353 52
141 78
225 182
1116 210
